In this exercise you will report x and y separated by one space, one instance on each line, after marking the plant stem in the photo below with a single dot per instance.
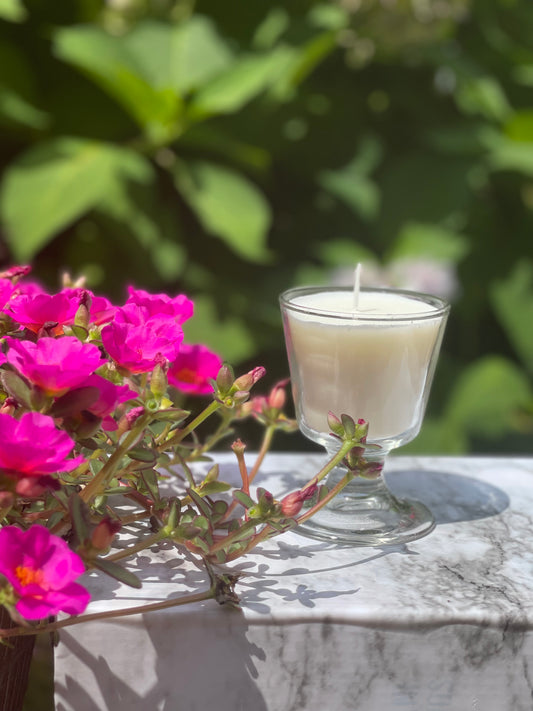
233 536
140 546
243 470
267 530
265 446
329 496
181 434
106 472
139 609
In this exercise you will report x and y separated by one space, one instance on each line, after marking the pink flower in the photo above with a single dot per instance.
30 287
193 368
137 342
41 569
101 310
32 448
6 290
110 397
34 311
179 308
54 364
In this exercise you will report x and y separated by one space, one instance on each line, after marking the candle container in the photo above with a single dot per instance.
373 361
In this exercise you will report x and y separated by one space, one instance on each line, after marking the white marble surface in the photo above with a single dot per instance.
445 622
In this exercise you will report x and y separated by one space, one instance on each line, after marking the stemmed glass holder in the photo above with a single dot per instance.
377 365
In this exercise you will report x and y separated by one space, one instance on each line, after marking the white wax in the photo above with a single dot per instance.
373 364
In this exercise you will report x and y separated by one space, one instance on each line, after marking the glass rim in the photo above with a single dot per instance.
441 306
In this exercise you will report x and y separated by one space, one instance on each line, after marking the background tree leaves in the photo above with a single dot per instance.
232 155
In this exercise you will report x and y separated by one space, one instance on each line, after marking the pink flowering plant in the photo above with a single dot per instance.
91 417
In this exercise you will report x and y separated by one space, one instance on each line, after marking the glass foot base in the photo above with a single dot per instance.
367 514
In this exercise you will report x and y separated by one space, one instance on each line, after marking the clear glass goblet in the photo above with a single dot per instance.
374 361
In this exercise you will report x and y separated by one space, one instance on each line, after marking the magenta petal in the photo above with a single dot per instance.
193 369
54 364
73 598
10 550
33 445
137 343
51 567
34 608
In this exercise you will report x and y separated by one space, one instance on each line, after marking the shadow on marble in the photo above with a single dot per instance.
450 497
178 572
259 581
176 655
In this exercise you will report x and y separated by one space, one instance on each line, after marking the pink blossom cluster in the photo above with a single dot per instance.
41 569
72 363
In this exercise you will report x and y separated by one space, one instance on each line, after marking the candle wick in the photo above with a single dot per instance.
356 287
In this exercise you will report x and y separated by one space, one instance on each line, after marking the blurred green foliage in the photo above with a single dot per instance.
231 152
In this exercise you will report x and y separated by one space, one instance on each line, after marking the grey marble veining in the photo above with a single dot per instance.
445 622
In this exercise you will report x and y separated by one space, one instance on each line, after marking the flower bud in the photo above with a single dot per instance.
225 379
335 425
15 272
104 533
238 447
361 430
248 380
82 317
32 487
240 397
277 396
128 420
9 406
292 503
159 381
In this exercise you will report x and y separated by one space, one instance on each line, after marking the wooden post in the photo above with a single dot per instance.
15 660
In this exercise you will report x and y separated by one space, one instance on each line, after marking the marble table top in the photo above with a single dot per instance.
447 617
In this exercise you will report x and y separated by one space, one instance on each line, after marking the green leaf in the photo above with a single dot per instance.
80 516
15 109
331 17
182 56
214 487
243 498
14 385
520 126
228 205
118 572
202 505
483 95
241 82
508 154
110 63
351 183
487 397
55 183
149 69
513 303
431 241
270 29
12 10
